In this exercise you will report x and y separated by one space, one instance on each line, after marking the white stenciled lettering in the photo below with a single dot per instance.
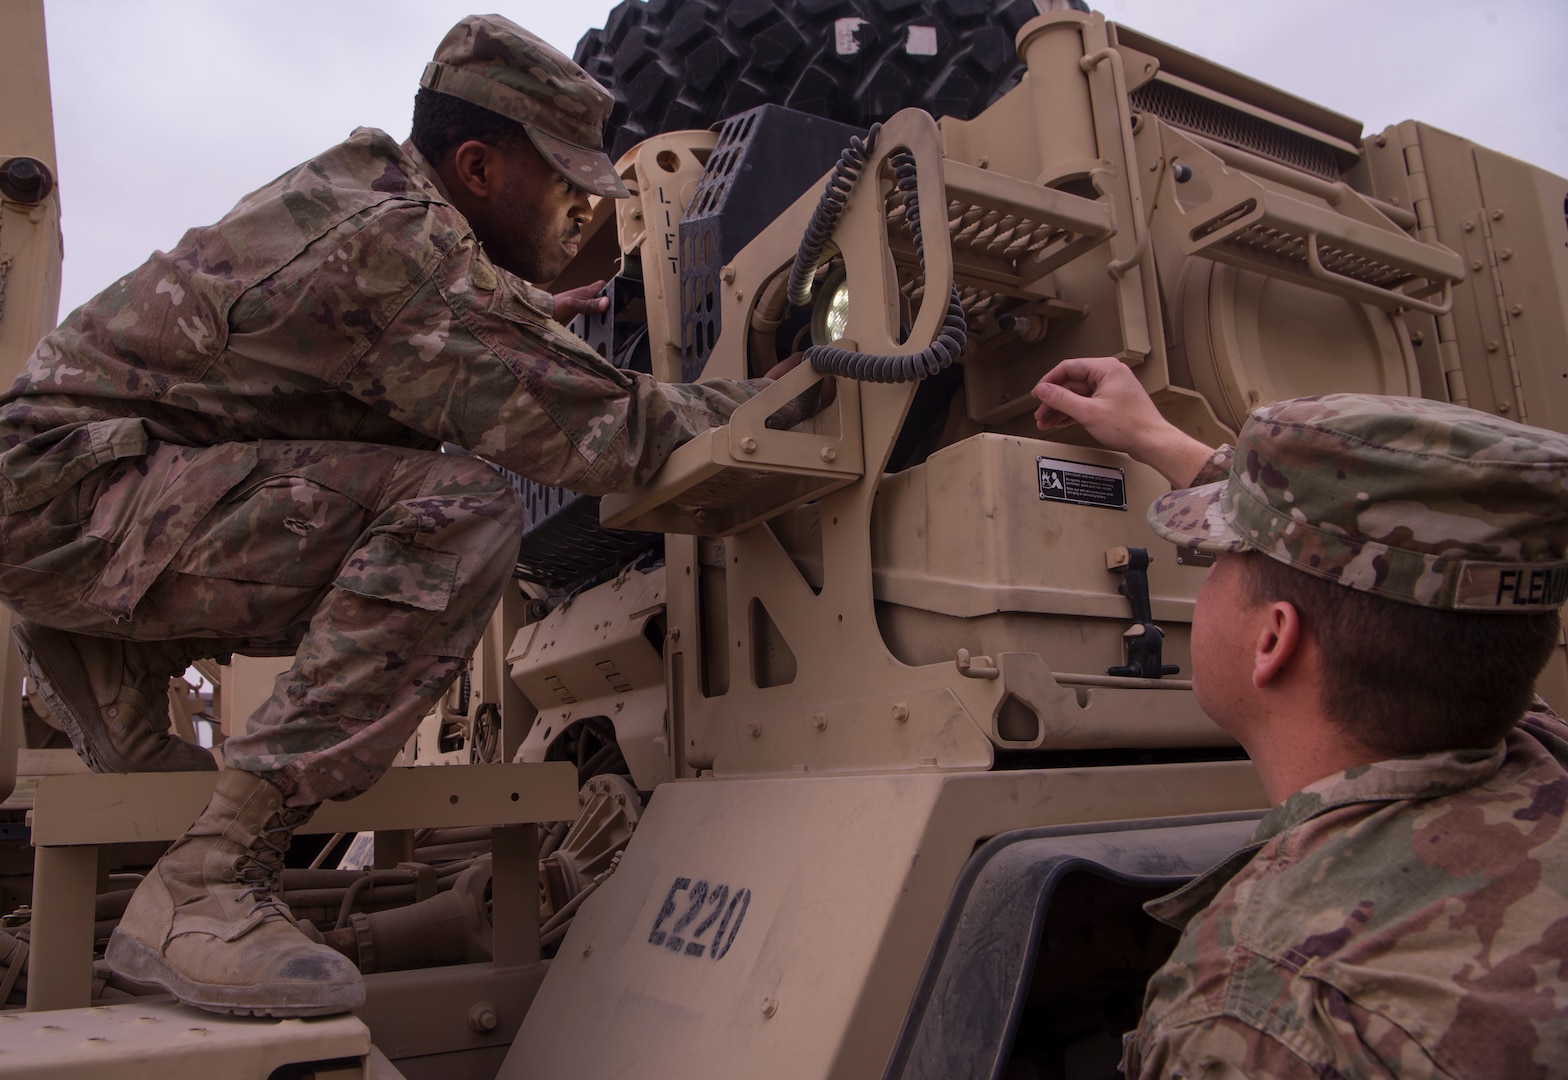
846 40
921 41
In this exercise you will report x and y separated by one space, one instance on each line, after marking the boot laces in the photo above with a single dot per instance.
259 871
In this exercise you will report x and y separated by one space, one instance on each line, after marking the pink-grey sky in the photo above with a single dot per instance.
167 111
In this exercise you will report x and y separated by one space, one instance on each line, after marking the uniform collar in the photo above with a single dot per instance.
427 171
1418 776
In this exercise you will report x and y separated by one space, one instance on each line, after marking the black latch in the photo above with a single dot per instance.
1142 640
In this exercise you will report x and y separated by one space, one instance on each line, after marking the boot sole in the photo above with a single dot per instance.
49 678
135 959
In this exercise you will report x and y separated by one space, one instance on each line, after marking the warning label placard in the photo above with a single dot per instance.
1081 484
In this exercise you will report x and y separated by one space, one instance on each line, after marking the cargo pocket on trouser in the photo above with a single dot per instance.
148 507
364 645
264 559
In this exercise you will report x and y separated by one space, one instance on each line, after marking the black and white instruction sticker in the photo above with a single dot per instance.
1081 484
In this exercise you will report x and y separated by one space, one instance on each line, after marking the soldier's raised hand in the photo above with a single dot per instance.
1104 395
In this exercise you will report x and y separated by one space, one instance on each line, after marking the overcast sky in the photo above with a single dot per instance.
167 111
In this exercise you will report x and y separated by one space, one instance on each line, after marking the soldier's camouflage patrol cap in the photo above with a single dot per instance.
1416 501
492 62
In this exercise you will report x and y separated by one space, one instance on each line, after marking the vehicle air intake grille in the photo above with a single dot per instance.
1182 108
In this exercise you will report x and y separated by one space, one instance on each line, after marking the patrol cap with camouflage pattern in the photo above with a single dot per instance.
1417 501
490 61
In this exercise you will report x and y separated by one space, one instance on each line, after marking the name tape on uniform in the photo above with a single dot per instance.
1540 587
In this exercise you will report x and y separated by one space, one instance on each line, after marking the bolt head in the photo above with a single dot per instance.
755 729
482 1018
901 712
769 1007
748 445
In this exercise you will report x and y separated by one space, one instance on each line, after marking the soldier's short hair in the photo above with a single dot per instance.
443 122
1405 679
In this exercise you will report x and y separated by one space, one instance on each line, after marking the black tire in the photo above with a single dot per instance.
676 64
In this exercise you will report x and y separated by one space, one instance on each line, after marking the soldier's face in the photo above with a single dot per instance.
1222 639
539 219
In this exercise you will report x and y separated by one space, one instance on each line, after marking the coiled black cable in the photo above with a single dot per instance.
824 219
870 367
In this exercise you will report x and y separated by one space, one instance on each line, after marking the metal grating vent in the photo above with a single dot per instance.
762 161
1182 108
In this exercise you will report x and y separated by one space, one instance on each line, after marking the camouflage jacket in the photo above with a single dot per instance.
1403 919
346 300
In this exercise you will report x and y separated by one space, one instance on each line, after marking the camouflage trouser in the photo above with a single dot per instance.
377 567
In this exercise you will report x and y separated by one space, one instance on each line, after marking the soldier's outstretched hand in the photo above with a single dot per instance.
1104 395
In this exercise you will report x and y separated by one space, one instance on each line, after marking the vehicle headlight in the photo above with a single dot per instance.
830 308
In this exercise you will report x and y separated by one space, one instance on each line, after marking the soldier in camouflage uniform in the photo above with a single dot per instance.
235 448
1388 578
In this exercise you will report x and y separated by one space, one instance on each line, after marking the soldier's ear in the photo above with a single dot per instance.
1279 642
476 169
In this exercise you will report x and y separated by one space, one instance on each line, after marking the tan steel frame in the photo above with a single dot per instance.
1068 124
29 276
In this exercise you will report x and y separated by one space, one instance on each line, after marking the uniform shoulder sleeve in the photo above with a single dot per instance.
469 359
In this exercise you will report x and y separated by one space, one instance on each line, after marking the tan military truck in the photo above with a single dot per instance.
850 746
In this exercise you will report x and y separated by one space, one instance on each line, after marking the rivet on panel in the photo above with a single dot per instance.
820 721
901 712
1497 215
769 1007
1516 309
755 729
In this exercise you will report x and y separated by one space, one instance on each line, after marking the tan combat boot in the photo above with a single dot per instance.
112 697
206 923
